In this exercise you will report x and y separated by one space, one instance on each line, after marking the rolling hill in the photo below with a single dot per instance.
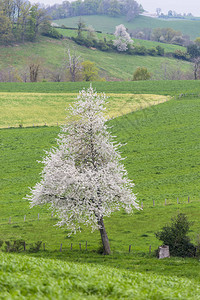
107 24
52 55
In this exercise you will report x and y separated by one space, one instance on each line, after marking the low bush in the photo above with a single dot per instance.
175 236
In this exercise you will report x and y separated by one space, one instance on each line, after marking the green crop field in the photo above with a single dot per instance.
107 24
161 87
161 150
52 55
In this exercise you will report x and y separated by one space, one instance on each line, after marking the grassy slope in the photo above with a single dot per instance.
147 44
107 24
53 55
165 129
162 159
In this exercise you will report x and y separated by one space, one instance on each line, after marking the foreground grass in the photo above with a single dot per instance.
26 277
28 109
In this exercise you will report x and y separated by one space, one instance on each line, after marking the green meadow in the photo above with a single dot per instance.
107 24
161 144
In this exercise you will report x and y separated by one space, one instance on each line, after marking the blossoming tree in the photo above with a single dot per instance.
123 38
83 179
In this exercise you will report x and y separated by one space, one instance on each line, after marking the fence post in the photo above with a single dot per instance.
24 218
177 201
150 249
71 246
80 246
129 248
38 216
142 205
165 201
188 199
153 202
60 247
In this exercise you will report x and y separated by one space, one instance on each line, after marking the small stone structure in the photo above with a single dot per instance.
163 251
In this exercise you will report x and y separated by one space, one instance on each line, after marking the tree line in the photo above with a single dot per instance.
113 8
21 21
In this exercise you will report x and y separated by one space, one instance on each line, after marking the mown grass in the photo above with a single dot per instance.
107 24
26 277
28 109
160 87
52 55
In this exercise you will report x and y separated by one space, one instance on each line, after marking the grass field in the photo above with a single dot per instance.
161 151
161 87
52 55
26 109
107 24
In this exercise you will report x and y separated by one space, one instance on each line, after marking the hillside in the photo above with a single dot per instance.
52 55
107 24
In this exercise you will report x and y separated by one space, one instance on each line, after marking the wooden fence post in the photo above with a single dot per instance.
80 246
71 246
129 248
153 202
150 249
177 201
165 201
188 199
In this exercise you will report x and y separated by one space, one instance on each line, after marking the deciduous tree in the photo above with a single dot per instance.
83 179
123 38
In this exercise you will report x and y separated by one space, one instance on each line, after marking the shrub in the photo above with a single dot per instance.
141 73
17 246
35 247
175 236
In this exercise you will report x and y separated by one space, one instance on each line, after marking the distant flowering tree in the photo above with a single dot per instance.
123 38
83 178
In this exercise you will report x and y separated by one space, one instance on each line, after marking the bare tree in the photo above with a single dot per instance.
74 66
196 62
34 71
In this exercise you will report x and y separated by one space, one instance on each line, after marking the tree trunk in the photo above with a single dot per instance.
104 237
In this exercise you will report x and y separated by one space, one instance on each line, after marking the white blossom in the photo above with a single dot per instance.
83 178
122 38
